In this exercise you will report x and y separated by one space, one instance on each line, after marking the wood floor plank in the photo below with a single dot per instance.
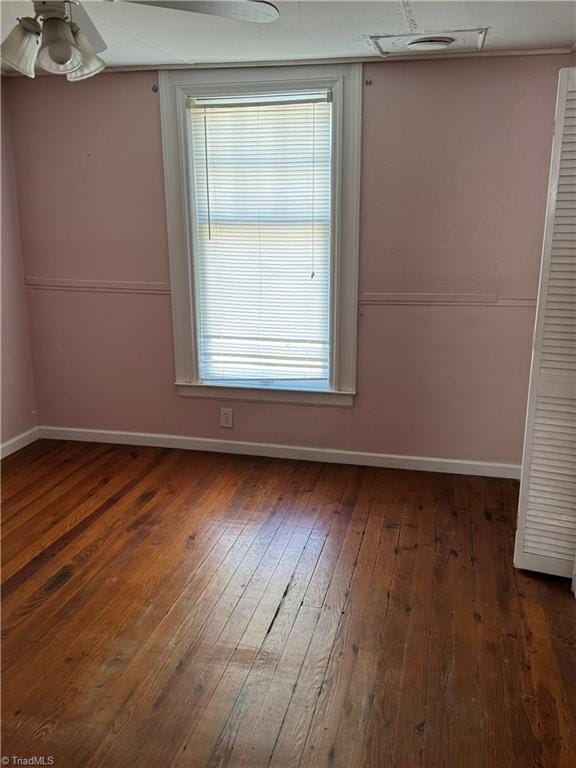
253 662
440 732
22 465
298 740
255 743
556 734
36 526
413 704
465 744
387 684
275 569
294 729
195 610
558 607
322 733
259 545
359 697
97 652
53 478
497 736
264 662
519 681
186 582
201 574
78 557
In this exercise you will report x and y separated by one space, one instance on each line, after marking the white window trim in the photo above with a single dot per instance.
345 81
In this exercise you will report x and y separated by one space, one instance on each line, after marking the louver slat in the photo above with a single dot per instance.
546 537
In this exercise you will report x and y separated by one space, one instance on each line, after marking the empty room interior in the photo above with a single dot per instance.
288 426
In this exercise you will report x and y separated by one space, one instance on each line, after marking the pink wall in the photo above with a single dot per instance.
18 397
456 158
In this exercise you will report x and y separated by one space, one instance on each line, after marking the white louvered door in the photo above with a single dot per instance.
546 535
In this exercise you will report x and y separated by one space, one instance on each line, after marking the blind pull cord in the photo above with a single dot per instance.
313 187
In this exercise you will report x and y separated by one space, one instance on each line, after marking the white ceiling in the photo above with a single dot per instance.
312 29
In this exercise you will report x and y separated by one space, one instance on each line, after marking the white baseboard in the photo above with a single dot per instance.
299 452
20 441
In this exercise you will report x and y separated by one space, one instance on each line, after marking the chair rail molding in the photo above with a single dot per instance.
95 286
447 299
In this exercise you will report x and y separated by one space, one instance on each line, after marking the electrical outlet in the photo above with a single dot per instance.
226 417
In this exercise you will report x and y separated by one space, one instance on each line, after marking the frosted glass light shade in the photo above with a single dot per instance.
59 53
21 47
91 64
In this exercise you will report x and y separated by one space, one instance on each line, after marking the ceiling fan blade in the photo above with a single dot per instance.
79 14
243 10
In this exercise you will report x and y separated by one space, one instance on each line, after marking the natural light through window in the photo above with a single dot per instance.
262 175
262 224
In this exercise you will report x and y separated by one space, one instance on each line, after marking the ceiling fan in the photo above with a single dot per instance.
62 39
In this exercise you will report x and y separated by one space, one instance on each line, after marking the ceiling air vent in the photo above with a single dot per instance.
457 41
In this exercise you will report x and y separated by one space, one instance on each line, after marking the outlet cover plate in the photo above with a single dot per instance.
226 418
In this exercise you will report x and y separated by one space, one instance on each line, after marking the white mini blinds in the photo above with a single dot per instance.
261 199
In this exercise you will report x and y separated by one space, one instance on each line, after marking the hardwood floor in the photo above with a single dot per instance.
165 609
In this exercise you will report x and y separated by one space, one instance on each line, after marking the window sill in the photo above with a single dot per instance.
303 397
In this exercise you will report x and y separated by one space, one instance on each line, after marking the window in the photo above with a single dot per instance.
262 178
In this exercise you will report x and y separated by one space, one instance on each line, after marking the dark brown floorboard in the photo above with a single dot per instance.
180 610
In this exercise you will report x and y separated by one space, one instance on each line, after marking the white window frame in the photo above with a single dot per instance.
345 82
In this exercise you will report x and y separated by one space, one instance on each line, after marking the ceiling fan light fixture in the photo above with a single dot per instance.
54 42
59 53
91 63
21 47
